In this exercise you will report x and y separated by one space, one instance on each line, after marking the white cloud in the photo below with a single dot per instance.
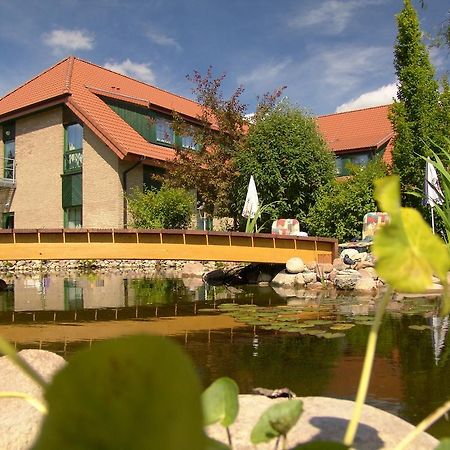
265 75
381 96
332 15
163 39
141 71
62 40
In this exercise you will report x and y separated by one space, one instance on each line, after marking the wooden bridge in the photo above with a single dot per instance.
78 243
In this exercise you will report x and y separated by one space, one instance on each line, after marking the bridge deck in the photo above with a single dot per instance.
194 245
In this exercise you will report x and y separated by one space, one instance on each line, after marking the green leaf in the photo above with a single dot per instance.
407 251
212 444
277 420
220 402
387 195
131 393
321 445
444 444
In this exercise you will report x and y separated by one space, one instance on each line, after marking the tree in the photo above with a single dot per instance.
221 133
289 159
342 204
414 116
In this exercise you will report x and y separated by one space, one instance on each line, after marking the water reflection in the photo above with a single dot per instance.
410 376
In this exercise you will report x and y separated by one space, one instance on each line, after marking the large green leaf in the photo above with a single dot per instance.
212 444
444 444
407 251
138 392
277 420
221 402
321 445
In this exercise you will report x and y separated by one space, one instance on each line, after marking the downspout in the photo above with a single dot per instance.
124 185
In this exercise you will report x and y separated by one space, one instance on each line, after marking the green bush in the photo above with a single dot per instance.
166 208
342 204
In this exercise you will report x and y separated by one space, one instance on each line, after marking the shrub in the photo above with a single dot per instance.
342 204
166 208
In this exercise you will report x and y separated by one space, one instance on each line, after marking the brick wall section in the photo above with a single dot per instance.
102 188
39 162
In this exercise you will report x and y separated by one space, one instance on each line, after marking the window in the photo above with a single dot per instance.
73 149
73 295
73 217
8 220
9 155
189 142
164 131
152 177
343 161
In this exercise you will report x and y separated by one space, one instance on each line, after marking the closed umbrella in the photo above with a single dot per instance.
432 191
251 204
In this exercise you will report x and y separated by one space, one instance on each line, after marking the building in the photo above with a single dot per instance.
358 136
78 136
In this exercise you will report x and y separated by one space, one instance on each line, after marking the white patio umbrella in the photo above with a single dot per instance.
432 191
251 204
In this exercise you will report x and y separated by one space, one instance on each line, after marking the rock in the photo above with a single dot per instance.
300 279
366 285
284 279
361 256
264 277
346 280
332 275
323 419
19 421
193 269
364 264
311 265
295 265
351 253
338 264
319 285
369 272
309 277
324 268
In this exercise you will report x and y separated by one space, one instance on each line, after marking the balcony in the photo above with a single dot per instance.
9 173
73 161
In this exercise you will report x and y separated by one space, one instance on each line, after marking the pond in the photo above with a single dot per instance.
312 343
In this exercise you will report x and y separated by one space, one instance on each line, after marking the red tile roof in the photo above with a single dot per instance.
77 83
363 129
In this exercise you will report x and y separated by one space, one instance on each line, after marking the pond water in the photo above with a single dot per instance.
312 343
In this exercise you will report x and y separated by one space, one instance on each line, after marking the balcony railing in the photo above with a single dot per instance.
73 160
9 170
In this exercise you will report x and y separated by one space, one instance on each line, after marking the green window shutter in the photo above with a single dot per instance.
72 192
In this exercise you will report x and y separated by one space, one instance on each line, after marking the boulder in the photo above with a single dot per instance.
325 268
332 275
311 265
366 285
323 418
300 279
346 279
351 253
364 264
309 277
193 269
19 421
338 264
295 265
284 279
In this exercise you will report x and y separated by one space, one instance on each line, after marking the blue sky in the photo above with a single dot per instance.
331 54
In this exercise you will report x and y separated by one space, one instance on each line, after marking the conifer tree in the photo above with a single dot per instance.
415 114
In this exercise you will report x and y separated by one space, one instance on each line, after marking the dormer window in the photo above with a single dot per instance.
164 131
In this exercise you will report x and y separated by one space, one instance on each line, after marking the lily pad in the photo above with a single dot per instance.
332 335
419 327
342 326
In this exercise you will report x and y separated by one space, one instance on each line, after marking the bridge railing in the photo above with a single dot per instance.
81 243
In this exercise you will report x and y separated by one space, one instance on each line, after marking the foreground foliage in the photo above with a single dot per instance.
342 204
